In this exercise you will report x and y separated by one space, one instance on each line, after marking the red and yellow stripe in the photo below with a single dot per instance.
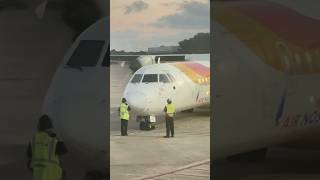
274 33
197 72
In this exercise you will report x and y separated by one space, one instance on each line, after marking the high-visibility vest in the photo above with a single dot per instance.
170 110
45 163
124 113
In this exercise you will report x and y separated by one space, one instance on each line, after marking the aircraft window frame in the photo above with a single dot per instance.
153 81
171 77
82 57
133 78
167 78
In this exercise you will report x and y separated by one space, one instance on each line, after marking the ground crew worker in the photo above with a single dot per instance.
44 151
169 109
124 116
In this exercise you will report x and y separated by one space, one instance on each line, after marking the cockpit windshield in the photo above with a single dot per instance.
147 78
163 78
171 77
136 78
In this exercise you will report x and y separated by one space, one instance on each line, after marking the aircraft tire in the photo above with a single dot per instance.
142 125
148 126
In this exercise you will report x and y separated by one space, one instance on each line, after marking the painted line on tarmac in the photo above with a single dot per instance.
179 172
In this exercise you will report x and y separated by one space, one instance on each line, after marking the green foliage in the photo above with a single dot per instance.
122 52
200 43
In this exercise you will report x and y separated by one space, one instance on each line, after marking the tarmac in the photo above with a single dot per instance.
144 154
196 171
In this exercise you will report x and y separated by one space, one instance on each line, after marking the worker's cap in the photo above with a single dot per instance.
169 100
124 100
44 123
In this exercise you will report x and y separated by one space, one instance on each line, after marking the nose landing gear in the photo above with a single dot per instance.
146 122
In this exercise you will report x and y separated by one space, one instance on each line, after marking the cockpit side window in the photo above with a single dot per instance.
147 78
171 77
163 78
87 53
136 78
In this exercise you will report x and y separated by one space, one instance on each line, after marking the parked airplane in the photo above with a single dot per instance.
186 83
76 99
264 79
266 70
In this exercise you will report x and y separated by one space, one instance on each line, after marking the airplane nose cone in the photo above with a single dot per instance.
137 101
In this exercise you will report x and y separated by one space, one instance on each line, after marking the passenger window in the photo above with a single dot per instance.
87 53
136 78
147 78
171 77
163 78
106 59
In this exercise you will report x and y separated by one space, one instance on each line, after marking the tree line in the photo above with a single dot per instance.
198 44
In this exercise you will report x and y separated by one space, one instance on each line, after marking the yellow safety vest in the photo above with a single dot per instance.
170 110
45 162
124 113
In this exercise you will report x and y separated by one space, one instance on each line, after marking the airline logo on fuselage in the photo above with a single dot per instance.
292 120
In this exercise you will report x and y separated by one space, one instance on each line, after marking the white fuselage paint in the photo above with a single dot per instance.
149 99
77 101
247 96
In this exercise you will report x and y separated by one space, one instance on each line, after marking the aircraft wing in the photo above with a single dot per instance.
137 61
163 57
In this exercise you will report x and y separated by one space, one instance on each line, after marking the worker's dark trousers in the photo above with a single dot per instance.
124 126
170 126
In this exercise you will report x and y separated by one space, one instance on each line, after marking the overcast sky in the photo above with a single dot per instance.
139 24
